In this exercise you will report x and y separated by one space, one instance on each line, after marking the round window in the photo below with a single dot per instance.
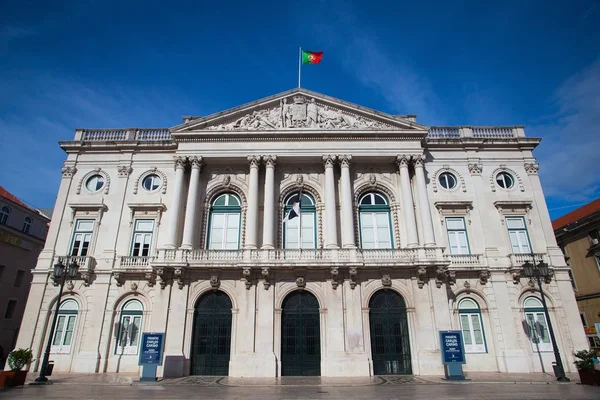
95 183
505 180
151 182
447 180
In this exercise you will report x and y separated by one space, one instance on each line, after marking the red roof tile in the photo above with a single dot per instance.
9 196
581 212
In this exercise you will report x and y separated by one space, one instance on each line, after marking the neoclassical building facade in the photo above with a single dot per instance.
404 230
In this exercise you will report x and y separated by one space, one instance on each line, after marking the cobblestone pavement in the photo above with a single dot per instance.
482 386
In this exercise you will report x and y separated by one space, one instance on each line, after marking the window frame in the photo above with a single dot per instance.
97 176
310 208
132 315
508 230
76 232
19 278
504 174
5 212
152 176
535 312
375 209
8 304
143 233
69 314
226 210
444 174
27 222
473 348
457 230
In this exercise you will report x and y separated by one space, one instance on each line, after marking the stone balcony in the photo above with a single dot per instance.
469 261
518 259
87 264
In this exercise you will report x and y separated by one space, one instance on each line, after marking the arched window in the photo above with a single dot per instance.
129 328
302 228
26 224
471 326
4 213
375 222
64 332
225 219
537 326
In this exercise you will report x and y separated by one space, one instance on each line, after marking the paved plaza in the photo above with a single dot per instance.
481 386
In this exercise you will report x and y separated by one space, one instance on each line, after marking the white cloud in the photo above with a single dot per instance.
569 152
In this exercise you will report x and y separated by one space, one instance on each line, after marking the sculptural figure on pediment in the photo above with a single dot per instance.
312 114
286 114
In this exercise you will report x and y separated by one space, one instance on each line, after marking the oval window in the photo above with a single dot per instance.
447 180
95 183
505 180
151 182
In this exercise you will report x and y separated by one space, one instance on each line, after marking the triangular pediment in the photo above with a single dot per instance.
298 109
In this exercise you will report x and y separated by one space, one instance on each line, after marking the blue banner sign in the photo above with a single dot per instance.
152 348
452 347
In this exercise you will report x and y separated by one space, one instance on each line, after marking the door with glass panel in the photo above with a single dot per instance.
82 237
224 228
142 238
374 219
517 233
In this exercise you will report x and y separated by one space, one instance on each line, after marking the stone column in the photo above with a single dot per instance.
191 211
424 207
175 205
407 202
252 213
346 197
269 204
330 208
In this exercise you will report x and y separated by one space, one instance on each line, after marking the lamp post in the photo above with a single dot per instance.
61 274
537 271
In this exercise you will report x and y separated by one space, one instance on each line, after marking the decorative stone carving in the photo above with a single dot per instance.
162 279
179 163
531 168
227 181
451 277
246 272
440 276
152 171
300 180
265 274
133 286
254 161
86 276
345 160
548 278
124 171
352 272
421 276
178 277
484 276
531 283
475 168
386 281
334 275
402 160
196 162
119 278
68 171
372 180
270 160
215 282
516 276
328 161
300 282
299 112
467 286
70 285
151 278
419 160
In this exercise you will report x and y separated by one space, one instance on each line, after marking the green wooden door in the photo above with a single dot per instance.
300 335
390 345
212 335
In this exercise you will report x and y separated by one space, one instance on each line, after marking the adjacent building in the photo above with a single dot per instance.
22 234
578 235
403 230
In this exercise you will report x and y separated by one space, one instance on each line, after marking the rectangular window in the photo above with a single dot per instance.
129 334
375 230
292 231
458 241
538 331
63 334
82 237
517 232
10 309
583 319
594 341
19 278
1 271
224 231
142 238
471 326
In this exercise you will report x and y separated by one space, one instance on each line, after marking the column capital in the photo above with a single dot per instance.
254 161
419 160
269 160
179 162
196 162
403 160
328 161
345 160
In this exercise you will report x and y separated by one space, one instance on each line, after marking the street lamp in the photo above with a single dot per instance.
538 271
61 274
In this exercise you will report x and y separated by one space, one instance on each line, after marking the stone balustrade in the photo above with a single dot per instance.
478 132
466 259
115 135
134 262
518 259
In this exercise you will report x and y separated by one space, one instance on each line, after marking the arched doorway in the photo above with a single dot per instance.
211 341
390 345
300 335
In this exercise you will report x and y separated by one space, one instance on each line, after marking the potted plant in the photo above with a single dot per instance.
16 360
585 366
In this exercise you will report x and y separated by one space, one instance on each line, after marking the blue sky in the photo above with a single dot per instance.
101 64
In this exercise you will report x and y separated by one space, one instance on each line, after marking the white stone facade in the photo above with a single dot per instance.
336 152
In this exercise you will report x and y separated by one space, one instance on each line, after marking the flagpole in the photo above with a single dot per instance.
300 221
299 64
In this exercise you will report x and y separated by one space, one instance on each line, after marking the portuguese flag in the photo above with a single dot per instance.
311 57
